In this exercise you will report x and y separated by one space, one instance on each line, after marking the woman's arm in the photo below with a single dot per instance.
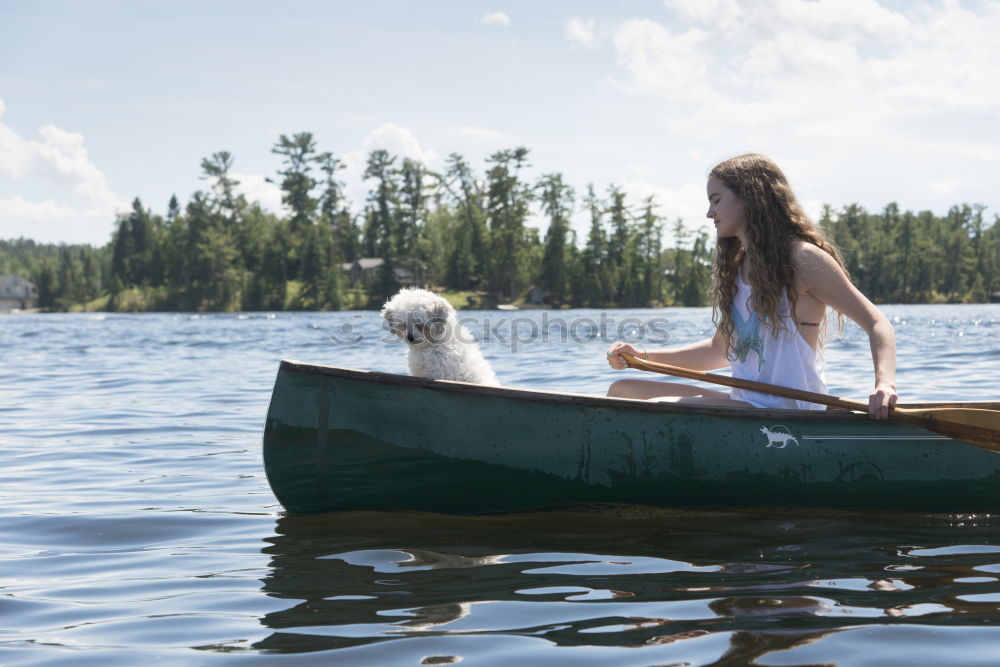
821 277
705 355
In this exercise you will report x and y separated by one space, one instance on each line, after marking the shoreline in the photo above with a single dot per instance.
39 311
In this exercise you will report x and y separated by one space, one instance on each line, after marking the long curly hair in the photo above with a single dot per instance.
774 219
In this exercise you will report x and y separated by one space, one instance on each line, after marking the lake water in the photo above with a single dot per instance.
136 524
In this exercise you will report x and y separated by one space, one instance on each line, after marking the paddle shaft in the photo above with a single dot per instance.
762 387
977 427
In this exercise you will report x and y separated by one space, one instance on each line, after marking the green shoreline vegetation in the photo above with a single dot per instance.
463 234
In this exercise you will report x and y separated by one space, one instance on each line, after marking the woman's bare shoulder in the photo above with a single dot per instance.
815 268
810 256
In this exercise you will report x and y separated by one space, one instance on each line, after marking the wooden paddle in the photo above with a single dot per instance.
974 426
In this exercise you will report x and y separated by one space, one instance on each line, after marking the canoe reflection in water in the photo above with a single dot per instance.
706 587
746 646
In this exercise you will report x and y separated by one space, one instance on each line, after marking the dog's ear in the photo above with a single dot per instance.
389 308
386 308
442 309
390 319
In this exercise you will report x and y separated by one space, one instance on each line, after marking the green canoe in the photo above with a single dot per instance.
342 439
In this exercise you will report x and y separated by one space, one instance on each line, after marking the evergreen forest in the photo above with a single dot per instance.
463 231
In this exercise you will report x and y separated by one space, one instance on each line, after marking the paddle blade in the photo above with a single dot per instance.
976 427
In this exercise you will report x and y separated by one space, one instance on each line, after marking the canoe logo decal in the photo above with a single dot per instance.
778 436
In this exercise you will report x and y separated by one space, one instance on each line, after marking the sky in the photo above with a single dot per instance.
859 101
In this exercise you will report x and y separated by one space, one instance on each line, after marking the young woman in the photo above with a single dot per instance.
775 274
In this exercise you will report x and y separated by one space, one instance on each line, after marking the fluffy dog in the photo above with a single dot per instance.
439 347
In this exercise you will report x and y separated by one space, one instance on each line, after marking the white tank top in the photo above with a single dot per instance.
783 358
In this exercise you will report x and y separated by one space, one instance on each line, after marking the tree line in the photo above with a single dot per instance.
907 257
461 230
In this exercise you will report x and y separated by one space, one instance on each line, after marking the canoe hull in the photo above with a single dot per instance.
339 439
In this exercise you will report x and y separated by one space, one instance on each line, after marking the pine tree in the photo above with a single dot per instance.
508 199
650 242
412 209
618 242
594 285
467 260
297 182
557 203
336 214
382 221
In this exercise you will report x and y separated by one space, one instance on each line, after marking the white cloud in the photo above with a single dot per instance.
582 32
257 188
77 194
850 66
394 138
907 95
65 160
944 186
855 20
686 201
659 62
495 18
18 208
398 140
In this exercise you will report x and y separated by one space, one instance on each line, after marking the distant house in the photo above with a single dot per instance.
534 299
361 270
535 296
367 268
16 293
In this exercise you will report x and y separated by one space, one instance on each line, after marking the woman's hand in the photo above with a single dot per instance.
881 400
615 358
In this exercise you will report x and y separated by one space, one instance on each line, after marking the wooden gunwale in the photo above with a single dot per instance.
293 366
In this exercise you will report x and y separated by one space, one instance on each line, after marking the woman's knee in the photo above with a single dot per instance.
622 389
616 388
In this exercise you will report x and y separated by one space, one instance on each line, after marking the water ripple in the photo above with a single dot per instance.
137 521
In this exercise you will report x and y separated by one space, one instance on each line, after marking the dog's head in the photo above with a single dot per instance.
418 316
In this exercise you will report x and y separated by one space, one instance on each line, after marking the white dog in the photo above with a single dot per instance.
440 347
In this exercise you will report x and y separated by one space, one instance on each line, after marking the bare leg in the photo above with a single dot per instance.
707 401
647 389
672 392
